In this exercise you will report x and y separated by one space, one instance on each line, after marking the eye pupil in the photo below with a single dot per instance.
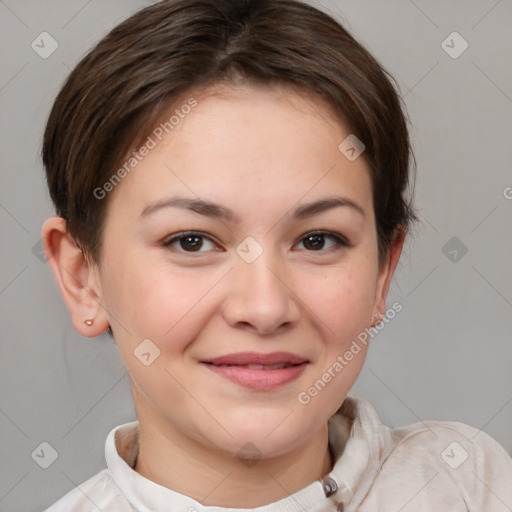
195 245
193 242
318 242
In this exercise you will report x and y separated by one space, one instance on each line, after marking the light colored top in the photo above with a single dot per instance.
427 466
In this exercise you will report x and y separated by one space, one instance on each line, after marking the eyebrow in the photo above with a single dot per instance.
217 211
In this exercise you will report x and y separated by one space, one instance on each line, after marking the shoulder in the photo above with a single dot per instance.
98 492
455 444
446 464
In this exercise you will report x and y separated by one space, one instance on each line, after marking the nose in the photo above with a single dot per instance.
260 296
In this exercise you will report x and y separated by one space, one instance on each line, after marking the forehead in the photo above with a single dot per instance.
240 144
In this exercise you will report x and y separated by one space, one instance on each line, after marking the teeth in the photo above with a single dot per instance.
277 366
268 367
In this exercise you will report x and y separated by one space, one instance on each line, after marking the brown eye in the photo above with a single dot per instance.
188 242
315 241
193 242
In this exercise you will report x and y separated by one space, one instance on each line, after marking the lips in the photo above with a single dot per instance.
258 361
260 372
278 366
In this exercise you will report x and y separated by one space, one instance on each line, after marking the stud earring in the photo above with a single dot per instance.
88 322
379 316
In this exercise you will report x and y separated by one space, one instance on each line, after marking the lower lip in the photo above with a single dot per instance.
262 380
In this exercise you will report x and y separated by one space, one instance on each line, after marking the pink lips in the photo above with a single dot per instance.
246 368
242 358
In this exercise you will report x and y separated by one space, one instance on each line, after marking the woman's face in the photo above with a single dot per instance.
251 278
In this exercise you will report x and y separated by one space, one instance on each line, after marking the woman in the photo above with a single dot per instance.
230 182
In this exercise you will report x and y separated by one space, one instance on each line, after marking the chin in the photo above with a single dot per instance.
267 438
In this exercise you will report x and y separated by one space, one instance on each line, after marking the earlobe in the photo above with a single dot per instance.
76 278
386 272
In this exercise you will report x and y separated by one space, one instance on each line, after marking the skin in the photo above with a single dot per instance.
260 152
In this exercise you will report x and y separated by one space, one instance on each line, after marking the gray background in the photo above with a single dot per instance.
447 355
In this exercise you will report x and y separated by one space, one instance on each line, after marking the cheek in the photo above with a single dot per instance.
342 298
166 306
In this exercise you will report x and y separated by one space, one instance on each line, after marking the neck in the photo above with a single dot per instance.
213 477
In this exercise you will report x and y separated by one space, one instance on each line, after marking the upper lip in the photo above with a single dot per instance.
243 358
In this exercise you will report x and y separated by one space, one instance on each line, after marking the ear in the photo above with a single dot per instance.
386 271
78 279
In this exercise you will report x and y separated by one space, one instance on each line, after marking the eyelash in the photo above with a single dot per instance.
340 241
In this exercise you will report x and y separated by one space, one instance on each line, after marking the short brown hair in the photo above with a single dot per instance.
122 87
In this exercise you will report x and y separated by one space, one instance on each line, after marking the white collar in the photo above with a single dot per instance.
357 438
